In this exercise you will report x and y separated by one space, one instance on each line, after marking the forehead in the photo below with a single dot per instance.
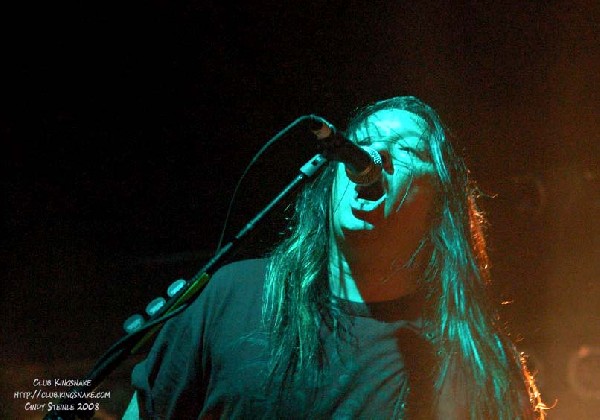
391 125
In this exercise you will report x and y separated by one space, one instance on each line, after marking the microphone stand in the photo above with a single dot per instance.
75 403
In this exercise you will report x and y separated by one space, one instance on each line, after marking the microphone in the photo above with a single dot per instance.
363 164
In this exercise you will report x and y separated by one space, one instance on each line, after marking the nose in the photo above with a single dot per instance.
386 161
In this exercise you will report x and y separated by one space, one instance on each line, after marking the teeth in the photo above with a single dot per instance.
368 205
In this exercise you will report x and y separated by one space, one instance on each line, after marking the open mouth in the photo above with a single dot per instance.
369 197
363 205
371 192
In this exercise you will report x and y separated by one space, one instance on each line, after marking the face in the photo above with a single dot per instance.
404 197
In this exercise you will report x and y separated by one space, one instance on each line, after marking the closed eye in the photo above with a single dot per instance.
421 154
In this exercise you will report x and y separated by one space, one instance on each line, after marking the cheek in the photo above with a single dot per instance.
405 177
423 197
421 168
415 198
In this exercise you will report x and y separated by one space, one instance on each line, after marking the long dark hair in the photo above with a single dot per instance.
458 319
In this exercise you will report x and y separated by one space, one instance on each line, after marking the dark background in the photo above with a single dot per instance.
125 127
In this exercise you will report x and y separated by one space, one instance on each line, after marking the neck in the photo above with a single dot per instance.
373 276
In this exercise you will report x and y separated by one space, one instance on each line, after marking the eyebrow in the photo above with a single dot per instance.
393 137
364 141
421 144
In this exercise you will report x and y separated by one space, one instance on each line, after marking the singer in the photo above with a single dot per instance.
373 306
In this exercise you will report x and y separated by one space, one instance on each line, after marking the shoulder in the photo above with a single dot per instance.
233 297
244 270
232 287
240 277
170 380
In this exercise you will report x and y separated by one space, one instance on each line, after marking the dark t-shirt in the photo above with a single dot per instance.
211 360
